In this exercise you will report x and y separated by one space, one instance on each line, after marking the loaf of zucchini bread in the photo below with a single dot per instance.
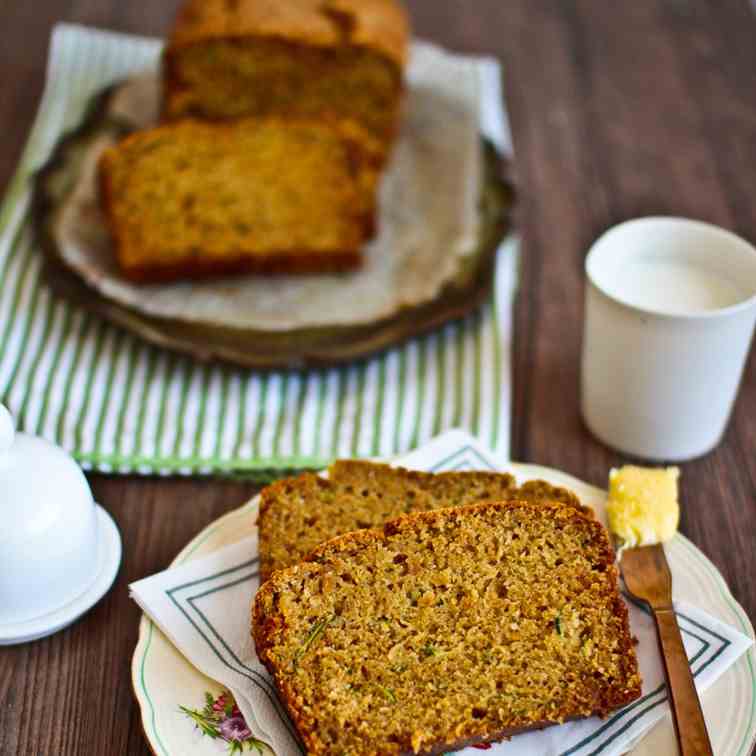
298 514
448 628
191 198
324 59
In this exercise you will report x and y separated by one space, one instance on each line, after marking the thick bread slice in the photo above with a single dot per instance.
448 628
192 199
298 514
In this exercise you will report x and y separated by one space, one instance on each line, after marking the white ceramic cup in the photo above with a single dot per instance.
670 307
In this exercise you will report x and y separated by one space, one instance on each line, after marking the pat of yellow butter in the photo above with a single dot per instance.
643 508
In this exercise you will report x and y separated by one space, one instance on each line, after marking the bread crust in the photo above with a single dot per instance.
348 467
265 623
559 510
380 25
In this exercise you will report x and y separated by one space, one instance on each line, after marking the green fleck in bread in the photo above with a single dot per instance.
298 514
193 199
339 60
448 628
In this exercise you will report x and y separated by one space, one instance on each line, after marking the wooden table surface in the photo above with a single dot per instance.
617 110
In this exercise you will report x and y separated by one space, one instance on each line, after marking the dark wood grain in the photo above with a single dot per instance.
617 109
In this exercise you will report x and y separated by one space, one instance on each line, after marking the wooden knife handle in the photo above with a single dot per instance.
686 708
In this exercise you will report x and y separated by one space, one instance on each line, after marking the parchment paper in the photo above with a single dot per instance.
428 219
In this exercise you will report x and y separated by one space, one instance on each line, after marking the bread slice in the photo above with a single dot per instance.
324 59
448 628
192 199
298 514
456 488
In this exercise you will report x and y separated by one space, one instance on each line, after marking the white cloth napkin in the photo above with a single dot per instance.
203 607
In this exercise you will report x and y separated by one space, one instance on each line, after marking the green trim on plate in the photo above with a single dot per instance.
750 734
219 524
153 723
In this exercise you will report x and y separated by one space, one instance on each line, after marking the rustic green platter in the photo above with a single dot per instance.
300 348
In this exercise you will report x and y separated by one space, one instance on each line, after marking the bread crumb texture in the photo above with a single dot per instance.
298 514
192 198
448 627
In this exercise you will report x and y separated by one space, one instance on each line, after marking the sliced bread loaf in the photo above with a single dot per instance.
448 628
327 60
298 514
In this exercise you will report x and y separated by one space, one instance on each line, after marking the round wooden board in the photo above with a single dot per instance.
314 347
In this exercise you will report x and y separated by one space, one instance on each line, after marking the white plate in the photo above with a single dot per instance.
163 679
109 559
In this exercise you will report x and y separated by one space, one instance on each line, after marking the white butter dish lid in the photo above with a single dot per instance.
59 551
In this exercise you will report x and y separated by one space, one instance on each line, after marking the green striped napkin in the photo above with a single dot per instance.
120 405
